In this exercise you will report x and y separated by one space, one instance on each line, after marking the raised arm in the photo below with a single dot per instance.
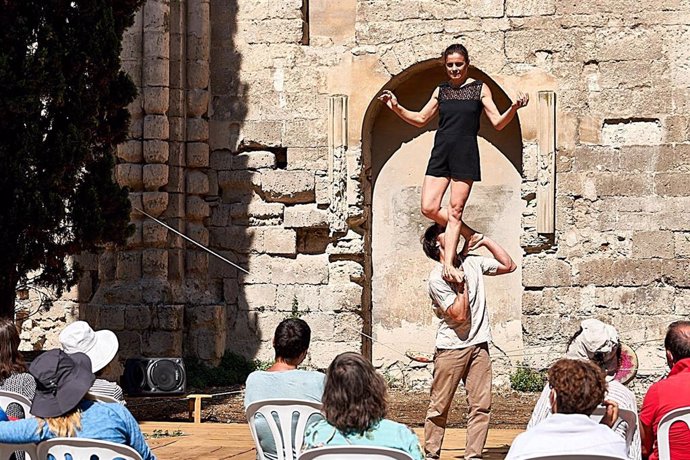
500 120
505 263
459 311
417 119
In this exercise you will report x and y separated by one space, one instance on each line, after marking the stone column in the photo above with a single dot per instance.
337 162
546 174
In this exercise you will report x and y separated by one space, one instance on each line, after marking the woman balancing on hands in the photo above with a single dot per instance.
455 156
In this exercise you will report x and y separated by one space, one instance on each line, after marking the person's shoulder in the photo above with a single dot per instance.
256 376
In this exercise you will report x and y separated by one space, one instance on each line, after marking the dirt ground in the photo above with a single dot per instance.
511 410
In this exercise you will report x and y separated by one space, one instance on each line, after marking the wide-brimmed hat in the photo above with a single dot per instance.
100 346
62 381
599 342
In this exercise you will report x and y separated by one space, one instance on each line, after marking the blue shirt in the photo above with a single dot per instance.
385 433
295 384
102 421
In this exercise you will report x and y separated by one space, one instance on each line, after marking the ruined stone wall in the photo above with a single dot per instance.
235 142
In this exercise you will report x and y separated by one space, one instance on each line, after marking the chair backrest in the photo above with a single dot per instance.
6 450
85 449
354 453
575 457
285 441
624 415
678 415
9 397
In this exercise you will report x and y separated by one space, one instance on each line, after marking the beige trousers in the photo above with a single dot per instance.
472 365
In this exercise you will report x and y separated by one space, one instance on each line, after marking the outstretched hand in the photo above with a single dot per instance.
522 100
388 98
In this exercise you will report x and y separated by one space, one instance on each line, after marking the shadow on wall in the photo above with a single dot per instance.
384 134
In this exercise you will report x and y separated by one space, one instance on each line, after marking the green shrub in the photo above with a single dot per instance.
527 379
232 370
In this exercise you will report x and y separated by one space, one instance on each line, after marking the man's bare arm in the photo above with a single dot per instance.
459 311
647 439
506 263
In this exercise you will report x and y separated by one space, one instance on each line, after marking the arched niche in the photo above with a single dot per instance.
396 305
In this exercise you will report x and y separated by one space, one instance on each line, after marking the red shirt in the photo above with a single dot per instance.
666 395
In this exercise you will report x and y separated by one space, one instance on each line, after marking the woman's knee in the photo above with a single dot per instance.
430 210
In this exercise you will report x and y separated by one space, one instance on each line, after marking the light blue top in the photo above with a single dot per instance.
385 433
294 384
102 421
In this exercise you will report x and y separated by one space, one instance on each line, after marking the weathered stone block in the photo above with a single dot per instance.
351 244
161 343
257 296
156 151
652 245
197 183
167 317
197 155
198 233
257 209
304 269
112 317
156 99
129 175
130 343
197 208
239 179
305 216
156 127
681 242
220 160
345 271
128 265
197 130
672 184
262 132
138 317
630 132
197 102
130 151
196 262
155 176
154 202
154 234
310 158
288 186
254 160
530 8
155 263
230 290
627 272
341 297
278 240
541 271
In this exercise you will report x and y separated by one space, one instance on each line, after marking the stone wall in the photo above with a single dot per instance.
238 141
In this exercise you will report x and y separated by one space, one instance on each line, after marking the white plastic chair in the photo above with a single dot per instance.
85 449
624 415
9 397
6 450
354 453
678 415
282 431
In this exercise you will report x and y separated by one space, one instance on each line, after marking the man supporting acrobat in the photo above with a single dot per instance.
462 350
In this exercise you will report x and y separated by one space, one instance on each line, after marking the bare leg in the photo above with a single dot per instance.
459 193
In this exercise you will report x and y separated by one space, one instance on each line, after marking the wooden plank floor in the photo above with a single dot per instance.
216 441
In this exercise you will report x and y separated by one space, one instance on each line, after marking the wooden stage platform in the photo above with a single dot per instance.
216 441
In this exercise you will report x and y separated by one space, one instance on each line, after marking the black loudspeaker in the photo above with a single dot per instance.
154 377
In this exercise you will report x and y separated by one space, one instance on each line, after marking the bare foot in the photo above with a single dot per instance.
472 243
453 274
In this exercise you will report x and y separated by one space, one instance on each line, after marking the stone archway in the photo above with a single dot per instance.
395 154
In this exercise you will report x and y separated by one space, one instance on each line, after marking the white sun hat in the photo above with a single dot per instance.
100 346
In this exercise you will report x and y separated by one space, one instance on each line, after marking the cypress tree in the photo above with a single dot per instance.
63 101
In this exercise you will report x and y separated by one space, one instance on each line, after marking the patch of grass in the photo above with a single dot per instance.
232 370
526 379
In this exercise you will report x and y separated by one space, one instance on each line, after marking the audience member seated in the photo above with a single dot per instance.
577 388
599 343
13 375
62 383
669 394
283 380
101 348
354 408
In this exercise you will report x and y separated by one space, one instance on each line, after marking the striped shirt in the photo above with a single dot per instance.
618 393
22 383
103 387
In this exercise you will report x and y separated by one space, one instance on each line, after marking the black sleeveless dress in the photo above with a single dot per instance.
456 153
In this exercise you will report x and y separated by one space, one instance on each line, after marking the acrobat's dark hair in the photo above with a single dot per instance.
429 242
580 386
456 48
354 396
677 340
291 338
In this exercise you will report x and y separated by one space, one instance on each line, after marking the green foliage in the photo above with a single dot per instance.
63 106
232 370
295 313
164 434
527 380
